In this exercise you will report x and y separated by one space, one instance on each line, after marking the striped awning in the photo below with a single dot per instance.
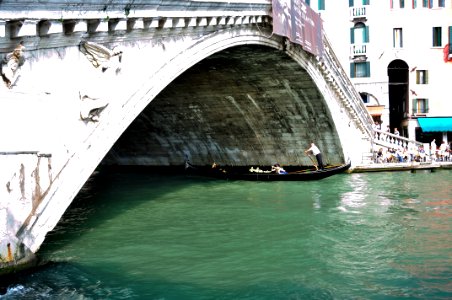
438 124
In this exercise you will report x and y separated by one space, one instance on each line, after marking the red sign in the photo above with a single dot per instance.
295 20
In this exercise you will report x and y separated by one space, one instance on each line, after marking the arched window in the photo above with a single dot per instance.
359 34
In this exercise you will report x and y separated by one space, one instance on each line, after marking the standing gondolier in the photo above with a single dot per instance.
318 155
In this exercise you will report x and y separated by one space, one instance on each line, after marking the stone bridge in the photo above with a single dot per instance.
152 83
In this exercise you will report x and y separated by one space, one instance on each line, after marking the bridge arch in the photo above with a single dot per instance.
314 120
149 66
243 105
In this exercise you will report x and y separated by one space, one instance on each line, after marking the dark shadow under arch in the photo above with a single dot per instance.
245 105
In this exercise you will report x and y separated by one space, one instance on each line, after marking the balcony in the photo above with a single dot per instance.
358 13
358 50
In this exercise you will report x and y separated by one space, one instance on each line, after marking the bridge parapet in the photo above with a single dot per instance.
31 20
390 140
345 90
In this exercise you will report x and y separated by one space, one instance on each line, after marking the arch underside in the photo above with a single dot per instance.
245 105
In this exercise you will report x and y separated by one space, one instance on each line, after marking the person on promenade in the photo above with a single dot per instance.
448 152
433 149
421 151
318 155
396 131
380 156
399 154
442 151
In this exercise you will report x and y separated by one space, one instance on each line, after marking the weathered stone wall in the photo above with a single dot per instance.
26 183
243 106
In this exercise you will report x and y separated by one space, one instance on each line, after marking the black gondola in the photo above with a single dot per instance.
258 174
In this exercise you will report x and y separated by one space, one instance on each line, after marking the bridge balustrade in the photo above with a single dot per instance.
349 96
391 140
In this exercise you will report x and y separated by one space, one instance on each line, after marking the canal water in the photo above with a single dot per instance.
351 236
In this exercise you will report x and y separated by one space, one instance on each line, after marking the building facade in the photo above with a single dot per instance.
397 54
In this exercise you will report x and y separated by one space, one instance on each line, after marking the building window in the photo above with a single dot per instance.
360 69
308 2
437 37
321 4
427 3
363 2
359 34
441 3
397 38
450 36
402 3
365 97
421 77
414 3
420 106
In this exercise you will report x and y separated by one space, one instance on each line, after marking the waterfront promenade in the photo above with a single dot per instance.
402 166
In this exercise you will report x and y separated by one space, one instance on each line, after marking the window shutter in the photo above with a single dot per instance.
350 3
368 69
450 35
426 106
366 34
352 35
352 70
414 103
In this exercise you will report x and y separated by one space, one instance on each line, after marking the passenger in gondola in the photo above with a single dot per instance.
216 167
278 169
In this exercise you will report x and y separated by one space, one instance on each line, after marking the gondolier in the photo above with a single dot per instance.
318 155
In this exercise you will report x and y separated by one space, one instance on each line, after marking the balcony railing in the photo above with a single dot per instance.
358 50
358 12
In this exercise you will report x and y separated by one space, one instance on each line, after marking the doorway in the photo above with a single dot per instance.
398 95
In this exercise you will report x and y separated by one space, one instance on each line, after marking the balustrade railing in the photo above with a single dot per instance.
358 49
389 140
348 94
358 12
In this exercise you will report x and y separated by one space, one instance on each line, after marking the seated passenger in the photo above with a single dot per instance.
278 169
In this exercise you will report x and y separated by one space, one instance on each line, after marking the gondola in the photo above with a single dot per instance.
251 173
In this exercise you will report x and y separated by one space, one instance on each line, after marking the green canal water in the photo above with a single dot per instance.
351 236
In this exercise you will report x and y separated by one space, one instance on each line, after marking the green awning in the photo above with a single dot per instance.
435 124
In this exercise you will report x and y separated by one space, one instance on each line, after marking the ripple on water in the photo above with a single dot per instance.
357 236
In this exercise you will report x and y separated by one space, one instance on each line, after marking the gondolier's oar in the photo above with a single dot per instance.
316 168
